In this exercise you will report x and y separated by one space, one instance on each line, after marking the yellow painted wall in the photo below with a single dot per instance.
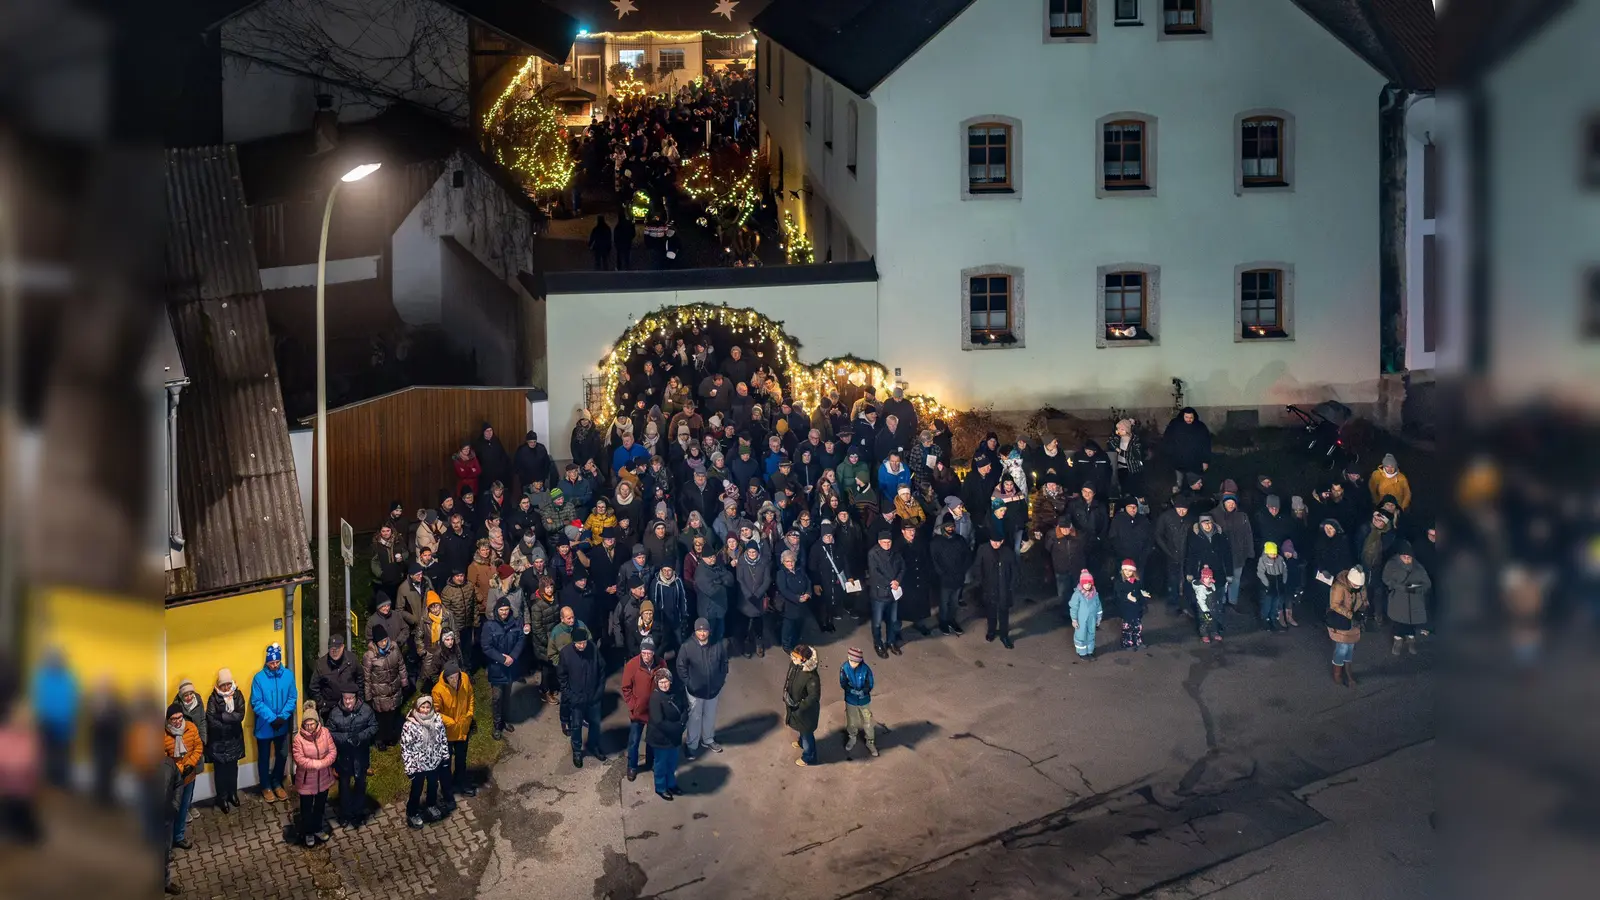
230 632
105 639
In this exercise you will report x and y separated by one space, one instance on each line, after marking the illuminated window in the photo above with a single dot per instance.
991 307
670 61
1265 296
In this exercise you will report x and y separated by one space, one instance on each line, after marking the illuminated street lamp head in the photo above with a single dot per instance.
361 171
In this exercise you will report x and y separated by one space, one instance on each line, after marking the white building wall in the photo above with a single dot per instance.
852 197
278 55
993 60
1421 128
1544 220
827 319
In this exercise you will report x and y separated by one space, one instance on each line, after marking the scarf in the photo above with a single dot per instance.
178 750
227 698
435 623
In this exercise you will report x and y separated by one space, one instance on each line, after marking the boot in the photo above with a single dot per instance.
1394 647
1288 615
1283 619
1338 673
872 749
1411 646
1350 674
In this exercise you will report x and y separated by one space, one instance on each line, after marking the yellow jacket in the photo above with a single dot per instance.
1381 485
455 707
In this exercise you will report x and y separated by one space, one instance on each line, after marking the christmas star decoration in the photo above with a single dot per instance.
624 7
724 8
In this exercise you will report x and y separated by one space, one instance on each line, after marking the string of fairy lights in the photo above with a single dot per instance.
797 247
735 200
806 384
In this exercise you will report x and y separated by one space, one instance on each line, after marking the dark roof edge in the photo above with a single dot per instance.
251 588
308 420
1404 74
636 281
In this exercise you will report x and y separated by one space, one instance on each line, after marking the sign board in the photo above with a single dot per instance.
347 542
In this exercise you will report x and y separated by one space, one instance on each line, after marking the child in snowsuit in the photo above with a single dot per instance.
1273 570
1131 598
1086 613
1205 610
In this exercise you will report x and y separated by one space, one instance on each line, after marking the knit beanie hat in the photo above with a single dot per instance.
174 710
308 713
1085 579
854 655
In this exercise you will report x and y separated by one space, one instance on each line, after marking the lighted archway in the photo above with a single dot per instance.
807 383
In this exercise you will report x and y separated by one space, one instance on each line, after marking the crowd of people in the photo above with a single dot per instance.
640 146
715 517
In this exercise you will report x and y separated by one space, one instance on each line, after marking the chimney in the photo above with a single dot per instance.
324 126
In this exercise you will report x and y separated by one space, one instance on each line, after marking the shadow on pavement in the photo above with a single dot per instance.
748 730
703 776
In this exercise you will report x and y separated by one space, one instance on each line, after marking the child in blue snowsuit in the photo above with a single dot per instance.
1086 612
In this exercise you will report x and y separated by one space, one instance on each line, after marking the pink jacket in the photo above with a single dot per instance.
313 762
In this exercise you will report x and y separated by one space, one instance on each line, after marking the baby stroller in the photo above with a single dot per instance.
1325 438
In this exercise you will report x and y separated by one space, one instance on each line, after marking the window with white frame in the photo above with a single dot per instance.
633 59
1264 151
827 115
1068 18
1126 155
1264 301
810 83
852 135
1128 295
991 305
671 60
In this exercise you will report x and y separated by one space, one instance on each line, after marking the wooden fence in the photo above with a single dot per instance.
398 446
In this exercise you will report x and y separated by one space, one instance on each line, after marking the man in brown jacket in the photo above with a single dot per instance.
461 602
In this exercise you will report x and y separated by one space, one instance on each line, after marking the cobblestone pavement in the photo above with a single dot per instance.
248 853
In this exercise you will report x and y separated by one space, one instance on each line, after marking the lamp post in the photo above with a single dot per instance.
355 174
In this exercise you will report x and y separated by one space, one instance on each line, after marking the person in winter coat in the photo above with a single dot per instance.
886 569
950 556
1271 523
702 672
1085 609
1172 531
390 557
1068 555
1132 600
467 468
314 756
856 682
1273 572
274 699
461 605
713 584
1208 546
1374 544
1186 444
643 625
225 710
791 593
337 671
830 570
1235 524
424 747
638 684
752 570
670 598
999 575
587 443
1388 481
1406 584
1091 521
353 726
194 709
492 459
1132 535
665 733
387 616
436 643
1207 608
532 464
582 683
503 639
542 614
1347 606
386 682
454 700
182 745
802 701
1330 555
1128 457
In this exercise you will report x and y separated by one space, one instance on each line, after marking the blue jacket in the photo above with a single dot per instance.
856 682
625 456
889 482
1083 607
55 699
500 639
273 696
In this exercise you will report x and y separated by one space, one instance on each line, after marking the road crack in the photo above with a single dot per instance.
815 844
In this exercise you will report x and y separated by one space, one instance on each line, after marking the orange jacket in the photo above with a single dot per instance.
189 765
455 706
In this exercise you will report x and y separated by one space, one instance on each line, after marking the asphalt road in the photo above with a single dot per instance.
1025 773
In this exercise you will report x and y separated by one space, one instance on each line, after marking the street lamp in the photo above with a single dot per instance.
355 174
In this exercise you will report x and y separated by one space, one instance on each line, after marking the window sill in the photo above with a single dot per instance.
1014 344
1128 24
1257 185
1110 343
1114 192
1262 339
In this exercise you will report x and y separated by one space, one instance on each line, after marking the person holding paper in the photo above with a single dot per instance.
1330 555
831 577
885 568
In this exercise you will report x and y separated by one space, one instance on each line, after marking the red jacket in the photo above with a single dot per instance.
467 472
637 684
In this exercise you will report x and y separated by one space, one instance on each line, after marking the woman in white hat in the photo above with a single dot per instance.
1347 607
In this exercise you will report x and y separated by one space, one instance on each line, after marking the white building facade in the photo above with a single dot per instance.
1072 203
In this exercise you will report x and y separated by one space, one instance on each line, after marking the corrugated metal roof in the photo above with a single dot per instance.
237 490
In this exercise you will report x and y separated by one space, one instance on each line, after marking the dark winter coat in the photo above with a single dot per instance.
1090 519
1236 528
582 674
951 558
711 586
456 549
224 729
916 603
820 566
793 592
499 639
755 582
493 458
884 566
386 678
999 574
394 623
1407 587
352 730
667 720
389 560
430 653
1131 538
1172 535
671 600
703 668
1208 550
1068 555
1186 447
542 617
1275 528
1128 600
331 680
802 696
533 464
1331 554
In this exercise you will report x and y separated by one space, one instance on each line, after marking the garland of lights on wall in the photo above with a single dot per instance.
806 385
797 247
733 198
668 36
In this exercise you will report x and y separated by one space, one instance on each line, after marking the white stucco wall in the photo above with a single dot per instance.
851 197
1544 227
1421 127
479 214
994 60
278 55
827 319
